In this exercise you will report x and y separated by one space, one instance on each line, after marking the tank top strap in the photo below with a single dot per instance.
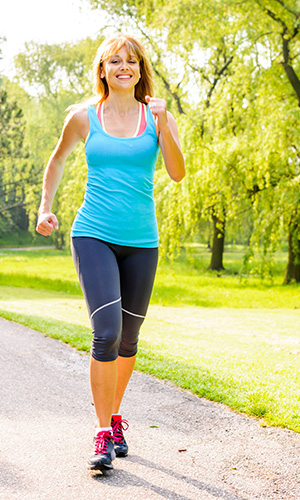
151 122
93 118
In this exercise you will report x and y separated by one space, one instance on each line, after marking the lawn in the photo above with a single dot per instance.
231 340
185 282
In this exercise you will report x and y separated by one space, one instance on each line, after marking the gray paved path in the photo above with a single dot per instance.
181 447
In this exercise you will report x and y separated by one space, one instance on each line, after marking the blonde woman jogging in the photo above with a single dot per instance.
114 234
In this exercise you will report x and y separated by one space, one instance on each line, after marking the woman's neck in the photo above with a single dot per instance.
121 104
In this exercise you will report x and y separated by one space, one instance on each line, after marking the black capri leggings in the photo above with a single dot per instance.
117 283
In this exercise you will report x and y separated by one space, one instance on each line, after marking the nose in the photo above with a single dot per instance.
124 65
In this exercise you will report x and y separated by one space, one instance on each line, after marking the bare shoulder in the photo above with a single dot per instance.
77 122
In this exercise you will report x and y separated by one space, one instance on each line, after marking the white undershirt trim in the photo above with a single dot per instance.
102 116
139 120
133 314
105 305
138 124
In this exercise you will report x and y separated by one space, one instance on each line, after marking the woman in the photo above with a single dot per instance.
114 235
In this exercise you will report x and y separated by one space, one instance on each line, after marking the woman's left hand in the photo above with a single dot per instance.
158 108
167 136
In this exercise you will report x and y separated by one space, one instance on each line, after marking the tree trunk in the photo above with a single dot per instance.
216 263
290 72
292 272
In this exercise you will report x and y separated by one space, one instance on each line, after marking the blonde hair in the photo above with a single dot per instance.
110 47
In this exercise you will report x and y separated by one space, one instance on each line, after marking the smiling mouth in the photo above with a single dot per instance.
124 77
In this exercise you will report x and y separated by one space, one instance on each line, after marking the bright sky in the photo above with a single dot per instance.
45 21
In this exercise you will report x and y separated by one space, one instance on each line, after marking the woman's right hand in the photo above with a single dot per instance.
46 223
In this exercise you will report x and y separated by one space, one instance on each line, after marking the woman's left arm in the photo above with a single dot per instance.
168 138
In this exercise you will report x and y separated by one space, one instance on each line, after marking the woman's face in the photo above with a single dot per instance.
121 70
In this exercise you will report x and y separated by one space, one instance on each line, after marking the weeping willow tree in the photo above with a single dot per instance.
236 77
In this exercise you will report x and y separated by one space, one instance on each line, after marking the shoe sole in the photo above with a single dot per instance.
101 467
122 454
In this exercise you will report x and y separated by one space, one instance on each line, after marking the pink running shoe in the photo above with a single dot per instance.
118 426
104 452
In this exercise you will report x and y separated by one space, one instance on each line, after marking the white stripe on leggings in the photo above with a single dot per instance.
132 314
105 305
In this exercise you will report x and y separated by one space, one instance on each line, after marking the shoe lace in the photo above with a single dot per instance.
118 427
101 442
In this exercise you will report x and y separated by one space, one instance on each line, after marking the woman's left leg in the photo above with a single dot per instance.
137 273
125 368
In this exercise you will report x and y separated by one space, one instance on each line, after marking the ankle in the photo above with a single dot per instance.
116 416
103 429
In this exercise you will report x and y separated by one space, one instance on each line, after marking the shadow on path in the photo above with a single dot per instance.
121 479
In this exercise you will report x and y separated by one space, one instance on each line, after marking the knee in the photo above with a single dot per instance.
128 345
105 345
107 327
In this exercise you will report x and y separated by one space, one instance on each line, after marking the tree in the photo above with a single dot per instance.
14 171
247 113
59 76
282 19
177 34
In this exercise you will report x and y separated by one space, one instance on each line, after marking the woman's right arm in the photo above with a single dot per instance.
75 129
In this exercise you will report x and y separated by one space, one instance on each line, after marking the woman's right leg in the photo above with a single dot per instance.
98 274
103 380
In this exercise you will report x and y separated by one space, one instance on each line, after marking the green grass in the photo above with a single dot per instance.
185 282
242 348
19 238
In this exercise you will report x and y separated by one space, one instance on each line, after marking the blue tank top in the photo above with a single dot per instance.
118 205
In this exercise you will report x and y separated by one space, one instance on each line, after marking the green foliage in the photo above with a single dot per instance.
58 71
72 192
59 76
23 239
234 89
15 172
242 140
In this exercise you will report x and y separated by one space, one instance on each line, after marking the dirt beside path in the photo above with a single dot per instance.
181 447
